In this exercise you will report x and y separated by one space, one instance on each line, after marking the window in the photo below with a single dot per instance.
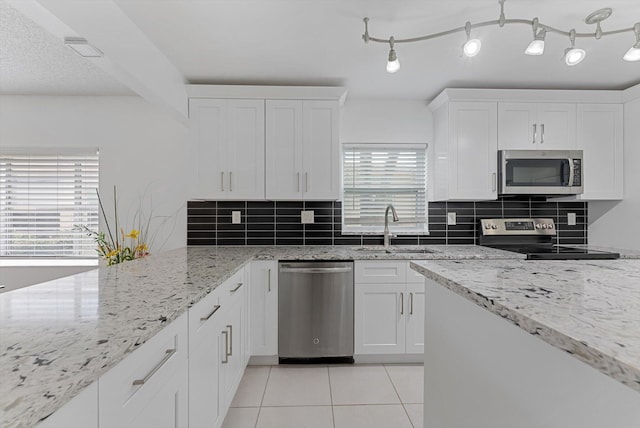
375 176
44 196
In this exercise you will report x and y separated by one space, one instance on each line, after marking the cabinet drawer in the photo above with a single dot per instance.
202 312
232 288
380 271
135 381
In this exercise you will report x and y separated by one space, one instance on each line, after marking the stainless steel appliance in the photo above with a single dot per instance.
540 172
533 237
315 311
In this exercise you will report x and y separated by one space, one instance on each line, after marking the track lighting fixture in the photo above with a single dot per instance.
572 55
472 46
393 64
633 54
536 47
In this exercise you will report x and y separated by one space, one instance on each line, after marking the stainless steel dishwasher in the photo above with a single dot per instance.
315 312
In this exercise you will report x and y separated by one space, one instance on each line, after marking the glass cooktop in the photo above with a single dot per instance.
557 252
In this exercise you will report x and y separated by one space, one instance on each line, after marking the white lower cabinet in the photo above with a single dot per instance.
264 308
389 308
148 388
80 412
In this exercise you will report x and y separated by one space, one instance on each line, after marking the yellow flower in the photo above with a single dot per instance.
142 248
133 234
112 253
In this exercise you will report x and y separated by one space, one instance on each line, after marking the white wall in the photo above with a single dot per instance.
142 152
386 121
615 224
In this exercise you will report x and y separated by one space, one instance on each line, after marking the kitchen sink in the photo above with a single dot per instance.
394 250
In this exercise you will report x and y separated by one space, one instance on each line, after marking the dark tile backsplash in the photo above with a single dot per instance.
278 222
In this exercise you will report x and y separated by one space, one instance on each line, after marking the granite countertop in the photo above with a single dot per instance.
590 309
58 337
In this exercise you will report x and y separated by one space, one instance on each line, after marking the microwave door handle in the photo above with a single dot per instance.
571 171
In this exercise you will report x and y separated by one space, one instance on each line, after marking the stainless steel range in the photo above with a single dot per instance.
533 237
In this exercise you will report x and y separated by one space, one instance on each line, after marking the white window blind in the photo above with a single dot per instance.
375 176
44 196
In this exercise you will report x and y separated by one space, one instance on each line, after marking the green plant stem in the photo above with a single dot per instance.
106 222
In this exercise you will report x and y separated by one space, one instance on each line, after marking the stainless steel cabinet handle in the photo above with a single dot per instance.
494 181
230 327
410 303
167 354
542 134
222 181
225 359
237 288
535 133
306 182
298 180
269 280
230 181
401 303
215 309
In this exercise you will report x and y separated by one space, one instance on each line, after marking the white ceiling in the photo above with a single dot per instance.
318 42
32 61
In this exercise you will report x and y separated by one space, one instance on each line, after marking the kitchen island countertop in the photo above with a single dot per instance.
60 336
589 309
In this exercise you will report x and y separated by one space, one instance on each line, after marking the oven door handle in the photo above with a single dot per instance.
317 270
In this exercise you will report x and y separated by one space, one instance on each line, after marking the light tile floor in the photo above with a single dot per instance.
291 396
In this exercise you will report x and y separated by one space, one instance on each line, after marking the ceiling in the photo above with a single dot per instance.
34 62
319 42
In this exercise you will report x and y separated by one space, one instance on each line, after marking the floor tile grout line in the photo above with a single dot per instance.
398 394
264 392
333 417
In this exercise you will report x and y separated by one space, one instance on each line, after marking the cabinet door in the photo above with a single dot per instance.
284 136
415 318
321 150
556 126
264 308
149 388
600 136
517 126
380 326
205 324
473 151
232 364
245 149
208 154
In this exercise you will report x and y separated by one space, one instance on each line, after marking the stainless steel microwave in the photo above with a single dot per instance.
540 172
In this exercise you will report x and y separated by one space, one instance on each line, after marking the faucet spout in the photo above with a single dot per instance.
387 235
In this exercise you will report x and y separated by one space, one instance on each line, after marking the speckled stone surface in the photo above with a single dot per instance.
60 336
590 309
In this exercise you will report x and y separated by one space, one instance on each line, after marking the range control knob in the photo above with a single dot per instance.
487 226
538 226
494 226
550 225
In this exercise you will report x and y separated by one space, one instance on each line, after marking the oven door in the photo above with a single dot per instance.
533 172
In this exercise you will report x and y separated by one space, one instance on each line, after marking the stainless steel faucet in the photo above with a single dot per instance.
387 235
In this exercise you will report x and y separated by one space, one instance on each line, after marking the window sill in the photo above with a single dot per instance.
47 262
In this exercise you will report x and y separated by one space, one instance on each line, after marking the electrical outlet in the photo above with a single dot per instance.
306 217
451 218
235 217
571 219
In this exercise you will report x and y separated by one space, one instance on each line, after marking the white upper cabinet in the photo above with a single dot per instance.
227 149
600 136
464 159
534 126
302 145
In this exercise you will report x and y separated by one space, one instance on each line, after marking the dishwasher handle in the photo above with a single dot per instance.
316 270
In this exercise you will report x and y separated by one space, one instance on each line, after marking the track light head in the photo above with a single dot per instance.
633 54
393 64
573 56
472 46
536 47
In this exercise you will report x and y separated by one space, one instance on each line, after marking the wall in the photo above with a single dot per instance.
142 152
615 224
